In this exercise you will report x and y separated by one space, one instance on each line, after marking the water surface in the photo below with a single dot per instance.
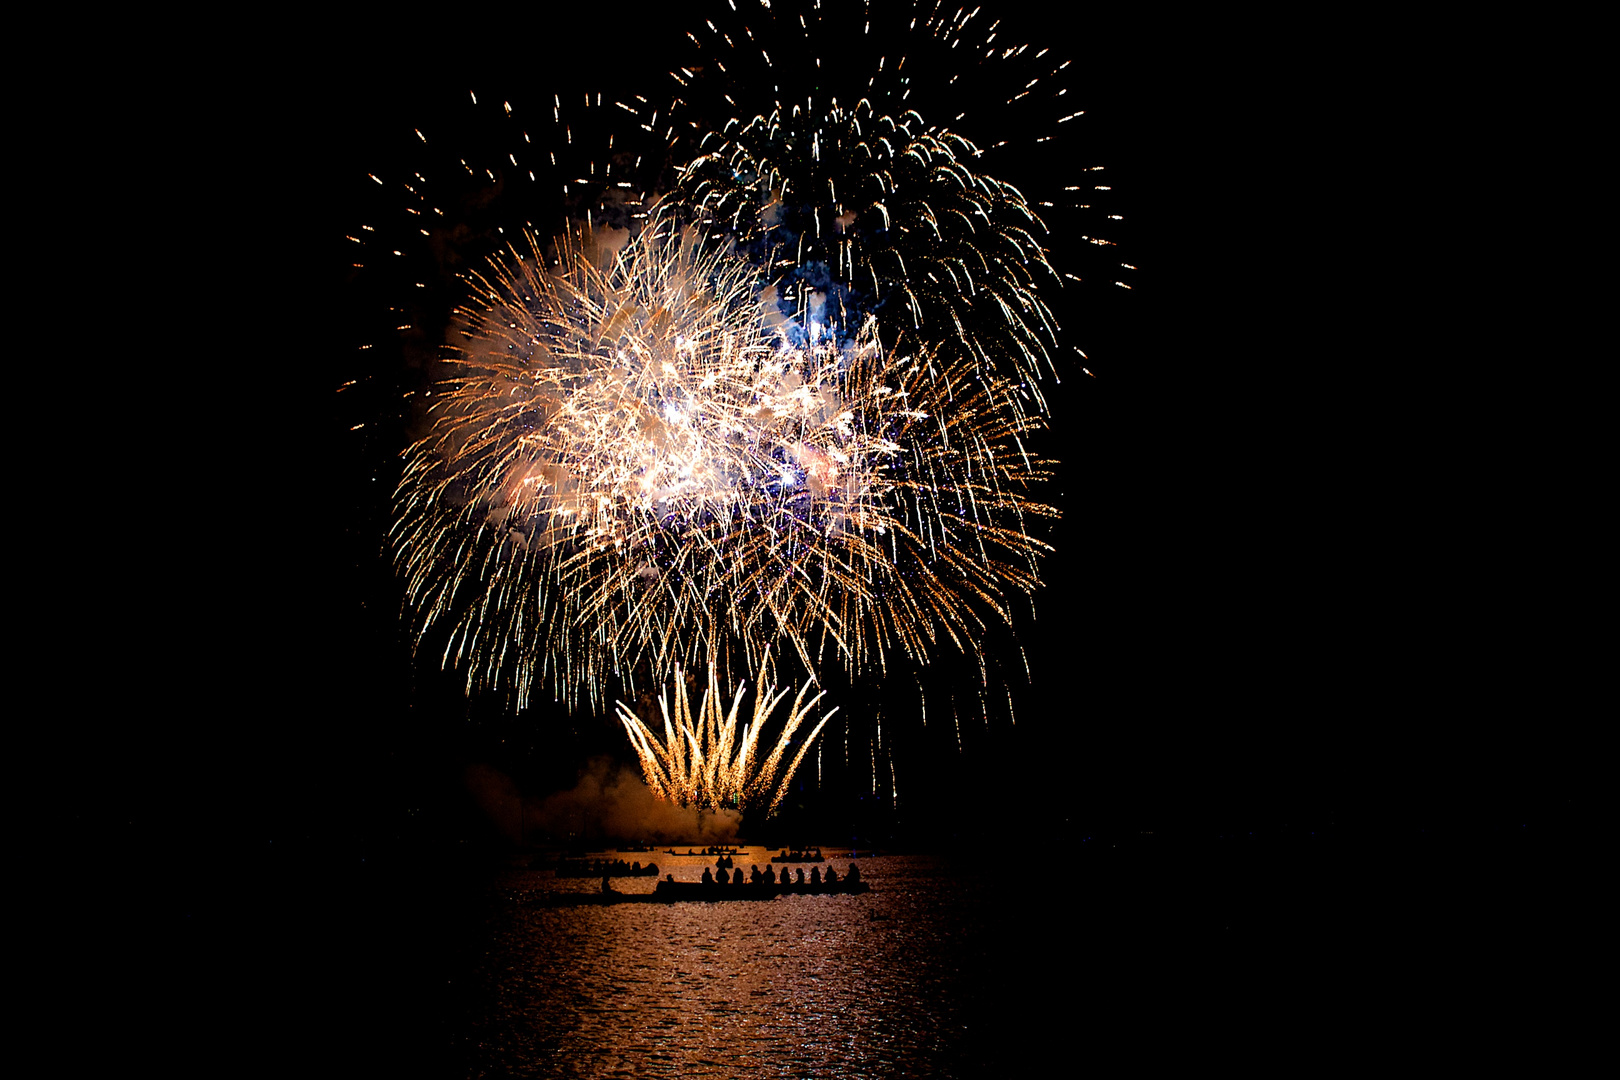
877 984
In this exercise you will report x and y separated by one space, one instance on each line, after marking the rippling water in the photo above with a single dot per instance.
1042 963
879 984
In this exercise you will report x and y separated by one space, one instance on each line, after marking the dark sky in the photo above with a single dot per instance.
1246 624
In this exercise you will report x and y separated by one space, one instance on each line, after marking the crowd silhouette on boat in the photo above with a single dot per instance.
722 883
798 856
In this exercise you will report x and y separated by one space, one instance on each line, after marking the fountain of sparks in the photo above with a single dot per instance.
703 760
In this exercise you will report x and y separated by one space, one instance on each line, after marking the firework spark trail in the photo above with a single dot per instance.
921 232
638 462
799 425
704 761
864 198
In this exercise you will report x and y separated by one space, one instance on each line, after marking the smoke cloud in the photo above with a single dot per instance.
609 802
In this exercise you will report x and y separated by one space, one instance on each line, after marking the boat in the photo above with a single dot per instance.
699 890
670 892
798 857
578 868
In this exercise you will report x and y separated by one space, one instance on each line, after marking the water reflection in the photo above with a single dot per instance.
869 985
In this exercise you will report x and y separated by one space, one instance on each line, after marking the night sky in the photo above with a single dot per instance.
1258 621
1301 657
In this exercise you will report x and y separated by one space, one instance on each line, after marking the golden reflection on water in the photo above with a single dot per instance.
866 985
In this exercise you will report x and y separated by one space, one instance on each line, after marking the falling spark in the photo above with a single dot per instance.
703 760
637 462
787 413
880 197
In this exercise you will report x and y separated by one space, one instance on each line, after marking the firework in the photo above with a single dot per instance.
639 463
704 761
846 171
782 411
915 231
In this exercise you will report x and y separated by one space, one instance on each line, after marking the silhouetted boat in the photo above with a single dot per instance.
670 892
602 868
